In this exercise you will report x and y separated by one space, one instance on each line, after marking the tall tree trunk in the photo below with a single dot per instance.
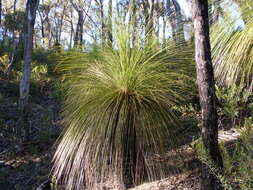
178 22
172 20
205 78
71 30
42 28
164 30
132 20
109 30
148 10
78 40
31 8
102 22
151 17
158 12
61 23
81 27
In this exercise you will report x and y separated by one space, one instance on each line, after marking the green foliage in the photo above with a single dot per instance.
4 61
237 159
57 91
234 104
118 112
45 134
15 21
42 56
232 46
231 100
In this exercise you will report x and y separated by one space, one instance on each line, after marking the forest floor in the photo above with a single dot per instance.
26 165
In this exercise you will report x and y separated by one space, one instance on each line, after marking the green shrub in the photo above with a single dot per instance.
57 91
4 61
238 161
233 103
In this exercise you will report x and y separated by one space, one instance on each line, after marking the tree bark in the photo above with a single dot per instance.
178 22
205 78
148 11
132 20
102 22
109 26
78 40
31 8
164 30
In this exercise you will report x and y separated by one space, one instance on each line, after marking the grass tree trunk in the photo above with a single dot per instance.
31 7
205 79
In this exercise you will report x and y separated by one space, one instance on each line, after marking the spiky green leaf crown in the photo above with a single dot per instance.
232 44
118 112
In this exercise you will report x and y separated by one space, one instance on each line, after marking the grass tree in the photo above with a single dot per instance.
118 113
232 41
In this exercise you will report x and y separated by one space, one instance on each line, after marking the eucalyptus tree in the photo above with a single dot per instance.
148 12
82 8
109 25
174 13
206 86
100 4
24 88
58 15
44 10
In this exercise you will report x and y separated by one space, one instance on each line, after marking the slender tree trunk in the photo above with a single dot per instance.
78 40
48 30
102 22
31 7
158 12
132 20
205 78
81 27
151 17
164 30
148 10
42 29
71 31
61 24
178 22
109 30
172 20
